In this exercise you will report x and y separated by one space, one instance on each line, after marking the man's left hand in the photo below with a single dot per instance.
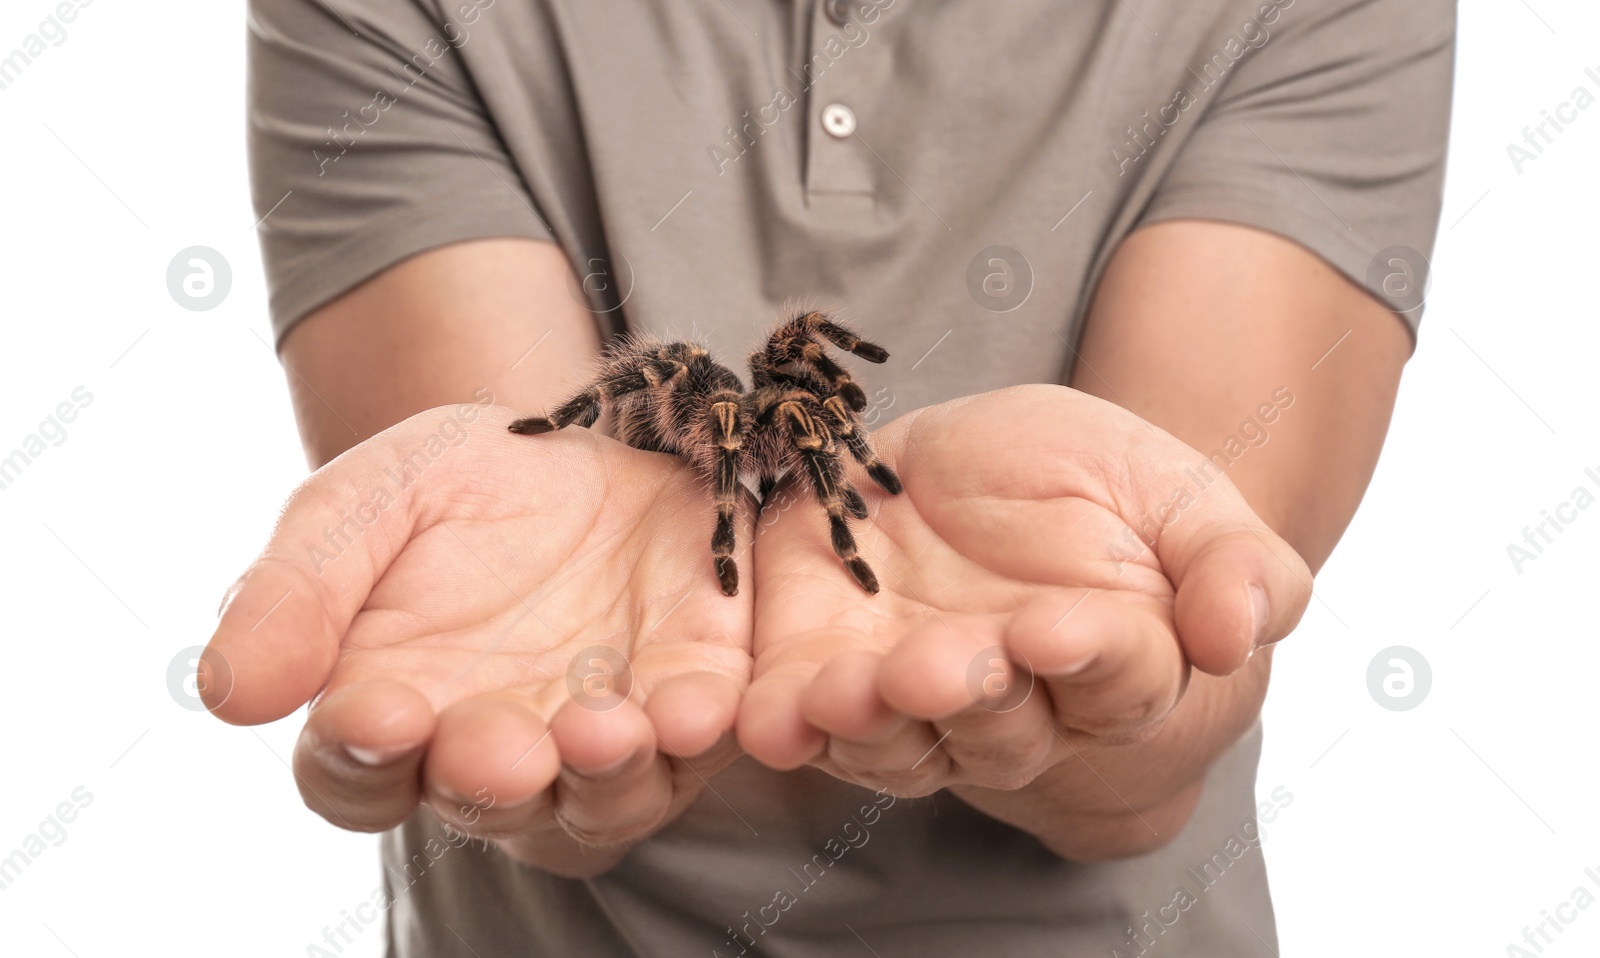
1052 571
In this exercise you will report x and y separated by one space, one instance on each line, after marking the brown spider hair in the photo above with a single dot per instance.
673 397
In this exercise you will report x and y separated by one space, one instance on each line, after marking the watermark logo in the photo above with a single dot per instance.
601 282
1400 275
999 279
355 519
1150 926
52 431
1398 678
745 932
183 677
198 278
997 684
435 49
1552 523
1251 434
52 30
1536 138
1208 73
1535 938
600 678
747 130
51 833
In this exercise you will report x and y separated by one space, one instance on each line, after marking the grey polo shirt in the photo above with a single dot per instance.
954 175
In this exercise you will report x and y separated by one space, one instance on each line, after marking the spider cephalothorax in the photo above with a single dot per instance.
675 398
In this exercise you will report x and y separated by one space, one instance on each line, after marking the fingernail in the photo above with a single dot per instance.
377 756
1259 612
613 769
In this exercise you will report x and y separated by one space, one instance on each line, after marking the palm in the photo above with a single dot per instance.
529 617
964 538
532 551
1018 506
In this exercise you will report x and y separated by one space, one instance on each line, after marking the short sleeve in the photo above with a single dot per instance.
368 143
1333 134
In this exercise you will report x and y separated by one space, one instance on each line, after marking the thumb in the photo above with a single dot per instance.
283 620
1240 586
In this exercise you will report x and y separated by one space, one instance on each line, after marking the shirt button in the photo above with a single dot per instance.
839 120
838 11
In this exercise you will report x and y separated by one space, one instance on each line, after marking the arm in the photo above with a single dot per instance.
438 328
521 540
450 325
1194 326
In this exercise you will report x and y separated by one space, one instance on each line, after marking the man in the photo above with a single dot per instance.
1040 737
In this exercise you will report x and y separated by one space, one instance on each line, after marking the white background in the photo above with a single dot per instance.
1443 830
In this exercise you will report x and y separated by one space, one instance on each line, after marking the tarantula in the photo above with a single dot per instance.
675 398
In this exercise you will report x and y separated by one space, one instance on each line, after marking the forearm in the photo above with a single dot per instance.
487 321
1196 327
455 324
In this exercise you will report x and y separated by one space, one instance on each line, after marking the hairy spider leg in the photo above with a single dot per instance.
838 377
585 407
835 332
833 491
728 427
809 358
795 341
785 384
843 424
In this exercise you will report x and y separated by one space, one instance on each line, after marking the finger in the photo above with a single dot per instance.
997 726
843 700
357 758
1240 586
694 716
693 712
868 741
944 667
1110 662
771 725
909 762
490 764
283 619
614 784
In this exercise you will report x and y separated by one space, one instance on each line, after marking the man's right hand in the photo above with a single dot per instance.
472 633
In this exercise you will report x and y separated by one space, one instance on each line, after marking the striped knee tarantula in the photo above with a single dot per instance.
674 398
